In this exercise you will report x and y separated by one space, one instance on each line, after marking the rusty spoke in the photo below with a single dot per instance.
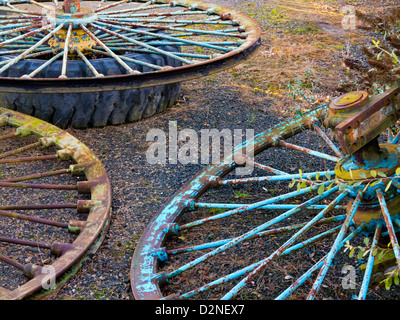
44 65
308 151
37 175
143 7
21 216
112 5
19 150
11 262
88 63
28 159
37 186
25 242
8 136
39 206
328 141
389 225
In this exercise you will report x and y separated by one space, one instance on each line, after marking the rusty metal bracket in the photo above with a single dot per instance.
377 115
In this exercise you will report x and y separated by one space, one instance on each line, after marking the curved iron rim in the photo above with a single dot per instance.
99 215
123 82
144 277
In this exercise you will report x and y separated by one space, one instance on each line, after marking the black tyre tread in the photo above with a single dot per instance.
97 109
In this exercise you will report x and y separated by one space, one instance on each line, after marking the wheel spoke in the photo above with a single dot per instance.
335 248
15 10
116 57
253 206
66 50
368 270
141 44
22 36
37 175
316 267
156 6
308 151
284 177
44 65
389 225
142 63
111 5
29 159
88 63
251 233
328 141
41 5
282 249
32 48
21 216
19 150
265 207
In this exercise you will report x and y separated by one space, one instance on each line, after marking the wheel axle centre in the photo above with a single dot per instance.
358 120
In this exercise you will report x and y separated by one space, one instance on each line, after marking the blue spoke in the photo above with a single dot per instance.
252 232
335 248
317 266
368 270
255 205
234 291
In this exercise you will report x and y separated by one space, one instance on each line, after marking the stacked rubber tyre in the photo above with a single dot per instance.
94 109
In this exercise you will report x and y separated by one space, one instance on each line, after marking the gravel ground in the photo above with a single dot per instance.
302 51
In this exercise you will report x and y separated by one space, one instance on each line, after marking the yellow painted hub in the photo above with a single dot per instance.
367 212
385 164
79 39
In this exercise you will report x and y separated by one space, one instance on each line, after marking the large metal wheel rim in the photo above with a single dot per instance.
96 225
147 279
165 76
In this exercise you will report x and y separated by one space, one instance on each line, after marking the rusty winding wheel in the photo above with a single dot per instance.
284 230
55 205
93 63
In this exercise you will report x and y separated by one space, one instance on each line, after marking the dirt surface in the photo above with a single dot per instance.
298 65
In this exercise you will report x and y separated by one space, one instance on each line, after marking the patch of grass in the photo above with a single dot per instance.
302 27
241 194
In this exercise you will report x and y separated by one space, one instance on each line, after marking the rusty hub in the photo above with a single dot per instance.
358 120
